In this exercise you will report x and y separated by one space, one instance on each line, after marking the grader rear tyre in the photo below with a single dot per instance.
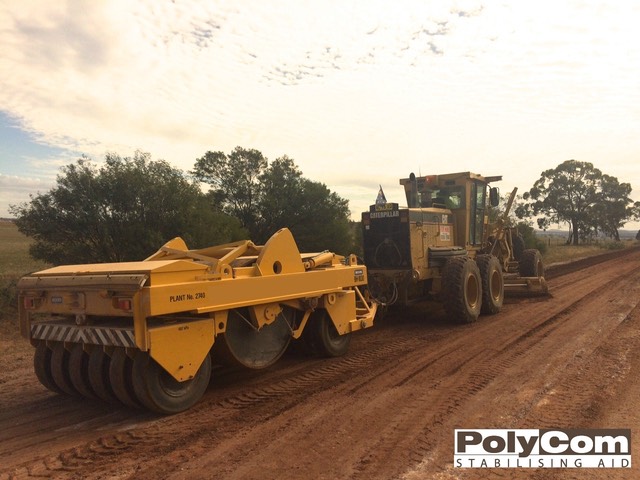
324 338
120 377
244 345
492 283
60 369
462 289
42 367
99 363
79 371
158 391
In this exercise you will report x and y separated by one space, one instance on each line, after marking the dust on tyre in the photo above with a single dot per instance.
462 289
492 283
158 391
531 264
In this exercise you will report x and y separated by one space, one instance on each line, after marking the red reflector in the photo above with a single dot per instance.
29 303
124 304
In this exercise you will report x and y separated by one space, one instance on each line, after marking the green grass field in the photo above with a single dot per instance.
15 262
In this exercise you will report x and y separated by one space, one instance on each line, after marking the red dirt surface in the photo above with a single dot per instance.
388 409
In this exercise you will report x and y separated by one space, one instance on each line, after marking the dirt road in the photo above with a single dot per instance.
386 410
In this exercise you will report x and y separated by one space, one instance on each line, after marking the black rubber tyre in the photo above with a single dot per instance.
492 283
324 338
42 367
99 363
462 290
79 371
60 369
158 391
518 246
120 377
531 264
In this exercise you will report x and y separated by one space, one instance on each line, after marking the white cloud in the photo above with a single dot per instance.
355 92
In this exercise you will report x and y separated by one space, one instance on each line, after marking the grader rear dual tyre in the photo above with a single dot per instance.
462 289
492 283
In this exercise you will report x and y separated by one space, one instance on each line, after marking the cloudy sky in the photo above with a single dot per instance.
358 93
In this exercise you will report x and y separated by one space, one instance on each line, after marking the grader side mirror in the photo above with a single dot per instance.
494 196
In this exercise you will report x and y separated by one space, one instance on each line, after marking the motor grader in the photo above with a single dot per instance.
442 246
146 333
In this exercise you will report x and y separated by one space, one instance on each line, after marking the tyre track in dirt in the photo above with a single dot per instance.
392 403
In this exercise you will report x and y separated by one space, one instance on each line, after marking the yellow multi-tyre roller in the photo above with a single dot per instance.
145 334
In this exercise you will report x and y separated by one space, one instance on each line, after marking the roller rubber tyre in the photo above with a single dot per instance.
531 264
99 363
492 283
60 369
324 338
462 290
120 377
158 391
79 371
42 367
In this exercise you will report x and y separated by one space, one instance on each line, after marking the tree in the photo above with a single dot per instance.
578 193
234 181
122 210
268 196
613 208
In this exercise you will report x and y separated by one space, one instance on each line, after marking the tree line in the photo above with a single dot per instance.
582 196
126 207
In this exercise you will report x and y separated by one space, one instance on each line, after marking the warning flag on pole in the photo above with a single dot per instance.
381 199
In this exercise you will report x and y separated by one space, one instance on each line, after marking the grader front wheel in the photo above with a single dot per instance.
531 264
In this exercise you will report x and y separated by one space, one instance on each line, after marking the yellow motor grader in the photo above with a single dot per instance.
146 333
442 246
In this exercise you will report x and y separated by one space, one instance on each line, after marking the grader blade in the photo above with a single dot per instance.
525 287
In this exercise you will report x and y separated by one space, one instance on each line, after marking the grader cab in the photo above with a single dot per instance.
145 334
442 246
